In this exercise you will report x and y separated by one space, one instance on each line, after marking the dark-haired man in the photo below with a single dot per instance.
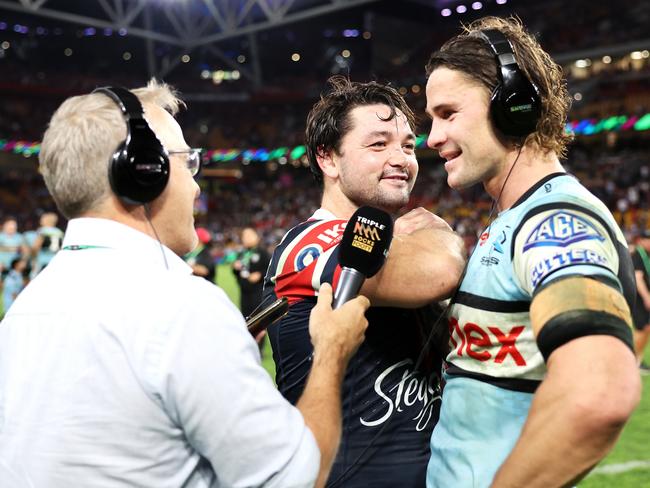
361 149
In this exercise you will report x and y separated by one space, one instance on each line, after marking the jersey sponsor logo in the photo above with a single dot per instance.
484 237
332 234
565 258
489 260
562 228
474 341
306 256
411 389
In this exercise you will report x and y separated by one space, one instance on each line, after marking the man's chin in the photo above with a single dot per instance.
391 205
457 185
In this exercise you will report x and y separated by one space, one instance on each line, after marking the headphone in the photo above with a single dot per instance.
515 104
138 170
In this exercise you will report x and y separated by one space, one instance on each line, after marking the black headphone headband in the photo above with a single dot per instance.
515 104
139 168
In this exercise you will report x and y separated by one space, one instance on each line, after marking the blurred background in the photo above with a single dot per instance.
250 70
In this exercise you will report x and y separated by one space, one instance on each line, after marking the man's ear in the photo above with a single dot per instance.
327 162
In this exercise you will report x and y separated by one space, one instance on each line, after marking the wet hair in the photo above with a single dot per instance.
329 119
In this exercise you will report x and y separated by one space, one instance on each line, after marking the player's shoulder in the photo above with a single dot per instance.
321 232
562 203
561 190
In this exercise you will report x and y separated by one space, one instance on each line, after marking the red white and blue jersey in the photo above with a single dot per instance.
389 409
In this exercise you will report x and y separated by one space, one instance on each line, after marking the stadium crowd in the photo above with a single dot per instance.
272 197
273 201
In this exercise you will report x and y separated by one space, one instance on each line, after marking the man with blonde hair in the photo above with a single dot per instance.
541 376
117 366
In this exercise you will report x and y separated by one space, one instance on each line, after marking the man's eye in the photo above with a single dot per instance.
378 144
409 146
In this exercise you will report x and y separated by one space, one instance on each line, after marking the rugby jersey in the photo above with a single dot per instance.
389 409
556 229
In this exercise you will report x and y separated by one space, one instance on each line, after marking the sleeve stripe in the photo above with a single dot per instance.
321 264
544 281
491 304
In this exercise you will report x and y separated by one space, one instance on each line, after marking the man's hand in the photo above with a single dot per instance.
424 264
419 218
341 331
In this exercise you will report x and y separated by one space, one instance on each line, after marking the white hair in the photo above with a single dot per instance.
79 142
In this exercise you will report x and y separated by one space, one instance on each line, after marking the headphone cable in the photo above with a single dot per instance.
147 214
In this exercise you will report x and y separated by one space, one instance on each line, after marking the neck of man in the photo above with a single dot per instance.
509 184
132 216
337 203
342 207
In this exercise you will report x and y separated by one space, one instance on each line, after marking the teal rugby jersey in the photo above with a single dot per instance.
557 228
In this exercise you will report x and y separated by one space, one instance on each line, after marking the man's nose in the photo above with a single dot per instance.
437 136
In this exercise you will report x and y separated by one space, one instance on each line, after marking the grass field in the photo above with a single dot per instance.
627 466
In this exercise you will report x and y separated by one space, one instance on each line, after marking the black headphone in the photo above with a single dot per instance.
139 168
515 105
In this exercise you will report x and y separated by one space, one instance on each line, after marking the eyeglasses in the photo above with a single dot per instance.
194 159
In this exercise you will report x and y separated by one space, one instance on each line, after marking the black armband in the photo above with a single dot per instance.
578 306
579 323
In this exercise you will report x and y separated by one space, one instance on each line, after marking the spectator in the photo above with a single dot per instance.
12 244
641 311
249 268
14 282
200 259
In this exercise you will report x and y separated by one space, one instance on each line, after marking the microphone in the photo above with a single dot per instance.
265 317
362 250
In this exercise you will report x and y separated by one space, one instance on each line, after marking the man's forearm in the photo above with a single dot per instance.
576 416
421 268
320 405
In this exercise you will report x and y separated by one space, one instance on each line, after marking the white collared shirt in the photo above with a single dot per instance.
118 369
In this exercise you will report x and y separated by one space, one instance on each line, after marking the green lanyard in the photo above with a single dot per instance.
82 247
195 252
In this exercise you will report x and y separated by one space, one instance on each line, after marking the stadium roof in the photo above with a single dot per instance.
216 28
